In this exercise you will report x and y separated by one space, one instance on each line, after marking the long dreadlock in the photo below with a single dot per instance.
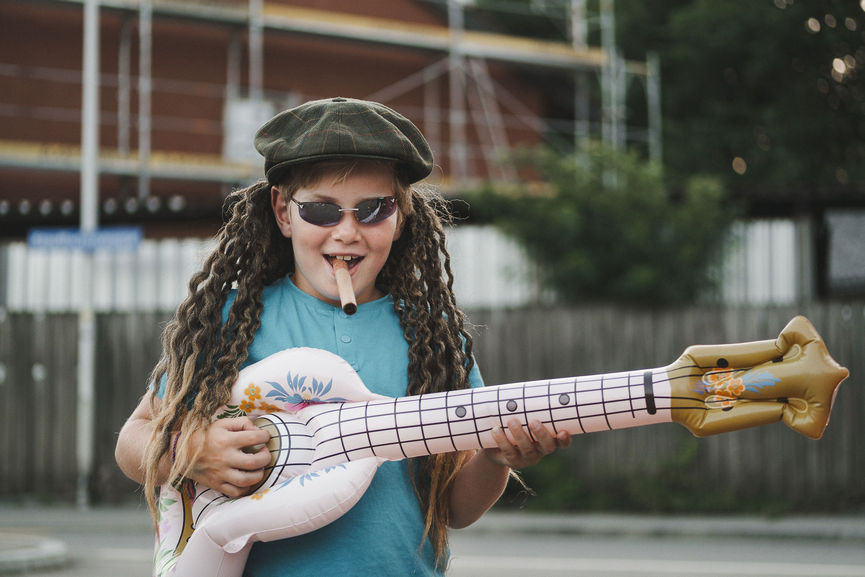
202 355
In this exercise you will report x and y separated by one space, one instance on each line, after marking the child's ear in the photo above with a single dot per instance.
280 211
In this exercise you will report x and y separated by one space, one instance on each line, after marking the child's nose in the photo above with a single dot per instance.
347 229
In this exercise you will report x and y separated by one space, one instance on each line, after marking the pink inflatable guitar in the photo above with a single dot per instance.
329 433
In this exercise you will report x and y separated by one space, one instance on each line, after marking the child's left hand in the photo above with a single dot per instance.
523 451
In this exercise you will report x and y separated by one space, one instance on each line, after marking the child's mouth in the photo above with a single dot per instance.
351 261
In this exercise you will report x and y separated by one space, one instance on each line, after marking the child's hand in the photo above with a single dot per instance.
223 465
523 452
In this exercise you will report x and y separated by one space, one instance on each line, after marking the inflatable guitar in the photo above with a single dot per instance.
329 433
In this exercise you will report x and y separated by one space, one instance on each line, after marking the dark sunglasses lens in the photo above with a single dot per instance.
320 213
375 210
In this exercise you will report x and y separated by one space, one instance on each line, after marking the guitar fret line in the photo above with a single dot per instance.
396 429
420 425
499 404
576 382
339 428
604 404
649 392
448 421
550 407
631 397
474 394
368 437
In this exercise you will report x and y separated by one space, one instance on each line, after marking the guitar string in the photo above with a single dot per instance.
425 426
285 435
534 384
579 383
427 399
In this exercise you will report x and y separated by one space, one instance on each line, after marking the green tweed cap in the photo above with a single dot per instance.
341 128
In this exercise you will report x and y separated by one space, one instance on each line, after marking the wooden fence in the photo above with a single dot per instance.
648 466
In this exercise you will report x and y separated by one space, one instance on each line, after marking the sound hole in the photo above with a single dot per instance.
461 412
564 399
511 406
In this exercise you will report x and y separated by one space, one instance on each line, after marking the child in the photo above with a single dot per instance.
340 185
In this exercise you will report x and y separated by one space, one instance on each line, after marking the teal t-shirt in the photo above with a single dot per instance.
381 535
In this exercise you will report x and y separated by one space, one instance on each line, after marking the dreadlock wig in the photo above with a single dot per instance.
202 354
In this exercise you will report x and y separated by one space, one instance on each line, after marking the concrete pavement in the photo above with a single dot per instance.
66 541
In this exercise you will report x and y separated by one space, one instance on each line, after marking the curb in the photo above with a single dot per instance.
798 527
26 553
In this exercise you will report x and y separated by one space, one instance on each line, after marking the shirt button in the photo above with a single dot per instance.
345 339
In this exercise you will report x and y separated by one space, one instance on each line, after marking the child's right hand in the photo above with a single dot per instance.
222 464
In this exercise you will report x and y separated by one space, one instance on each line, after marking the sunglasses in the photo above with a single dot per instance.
368 211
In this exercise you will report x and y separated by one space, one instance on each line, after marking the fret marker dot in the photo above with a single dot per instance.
512 405
461 412
564 399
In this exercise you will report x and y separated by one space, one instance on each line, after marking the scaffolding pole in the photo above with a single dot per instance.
610 84
145 88
457 117
124 87
653 98
256 51
85 394
579 40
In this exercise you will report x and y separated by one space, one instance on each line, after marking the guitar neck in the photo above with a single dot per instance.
462 420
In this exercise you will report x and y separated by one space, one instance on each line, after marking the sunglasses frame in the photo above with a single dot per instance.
384 201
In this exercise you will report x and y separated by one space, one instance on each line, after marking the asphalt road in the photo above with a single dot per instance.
118 542
623 556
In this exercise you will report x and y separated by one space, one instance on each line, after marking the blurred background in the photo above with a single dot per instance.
628 178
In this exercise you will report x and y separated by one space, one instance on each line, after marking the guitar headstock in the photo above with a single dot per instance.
721 388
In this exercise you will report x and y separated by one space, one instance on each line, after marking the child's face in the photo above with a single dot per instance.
316 246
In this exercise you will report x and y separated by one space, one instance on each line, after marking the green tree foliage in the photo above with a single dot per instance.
767 95
607 229
777 84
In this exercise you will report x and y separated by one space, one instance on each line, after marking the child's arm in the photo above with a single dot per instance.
482 480
132 442
222 464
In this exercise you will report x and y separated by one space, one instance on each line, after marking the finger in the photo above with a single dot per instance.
508 452
234 424
543 438
563 439
524 443
253 461
250 458
242 439
248 424
232 491
242 479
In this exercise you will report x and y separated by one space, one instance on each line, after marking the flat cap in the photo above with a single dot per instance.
342 128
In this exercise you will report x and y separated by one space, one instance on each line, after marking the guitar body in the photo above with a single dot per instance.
298 494
329 433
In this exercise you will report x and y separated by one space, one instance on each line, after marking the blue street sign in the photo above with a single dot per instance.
109 238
